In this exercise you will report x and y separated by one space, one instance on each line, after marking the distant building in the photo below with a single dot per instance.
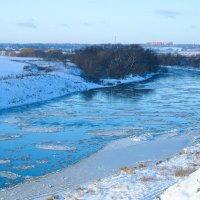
160 43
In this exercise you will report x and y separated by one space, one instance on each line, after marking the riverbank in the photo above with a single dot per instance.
20 88
123 162
144 180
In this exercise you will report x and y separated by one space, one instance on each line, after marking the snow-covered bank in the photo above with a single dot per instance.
17 87
182 68
133 168
128 79
16 92
187 189
144 180
12 66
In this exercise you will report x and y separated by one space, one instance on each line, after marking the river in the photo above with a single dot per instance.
45 137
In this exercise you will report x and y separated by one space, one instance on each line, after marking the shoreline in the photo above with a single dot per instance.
65 83
55 91
104 162
40 87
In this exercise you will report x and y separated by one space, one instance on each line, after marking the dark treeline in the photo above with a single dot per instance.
179 60
54 54
115 61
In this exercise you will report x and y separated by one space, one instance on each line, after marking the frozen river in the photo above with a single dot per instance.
45 137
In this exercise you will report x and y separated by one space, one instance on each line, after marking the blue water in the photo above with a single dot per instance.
87 121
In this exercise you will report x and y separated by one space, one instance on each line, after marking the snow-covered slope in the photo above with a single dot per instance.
10 66
187 189
20 91
19 87
145 181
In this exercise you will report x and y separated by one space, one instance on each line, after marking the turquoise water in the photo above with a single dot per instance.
41 138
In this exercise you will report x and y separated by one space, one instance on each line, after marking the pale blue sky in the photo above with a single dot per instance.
99 21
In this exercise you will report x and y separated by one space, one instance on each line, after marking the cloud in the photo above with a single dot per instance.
87 24
193 26
66 25
168 13
27 25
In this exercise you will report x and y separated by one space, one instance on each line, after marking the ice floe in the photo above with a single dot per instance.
9 175
55 147
49 129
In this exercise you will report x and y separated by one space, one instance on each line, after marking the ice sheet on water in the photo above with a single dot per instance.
24 167
56 147
117 131
10 120
9 175
50 129
4 161
9 136
41 161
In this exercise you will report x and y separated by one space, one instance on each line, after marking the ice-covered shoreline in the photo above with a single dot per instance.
145 179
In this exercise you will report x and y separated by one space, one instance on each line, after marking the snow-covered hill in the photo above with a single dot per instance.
18 87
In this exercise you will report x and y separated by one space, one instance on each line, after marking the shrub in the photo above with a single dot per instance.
53 197
115 61
28 52
146 179
179 60
183 172
51 54
127 170
54 54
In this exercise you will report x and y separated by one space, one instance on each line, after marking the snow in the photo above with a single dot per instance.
186 51
122 176
10 67
36 87
187 189
33 89
128 79
182 68
146 181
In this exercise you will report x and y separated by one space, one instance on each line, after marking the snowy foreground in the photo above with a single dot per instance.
187 189
146 181
54 79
